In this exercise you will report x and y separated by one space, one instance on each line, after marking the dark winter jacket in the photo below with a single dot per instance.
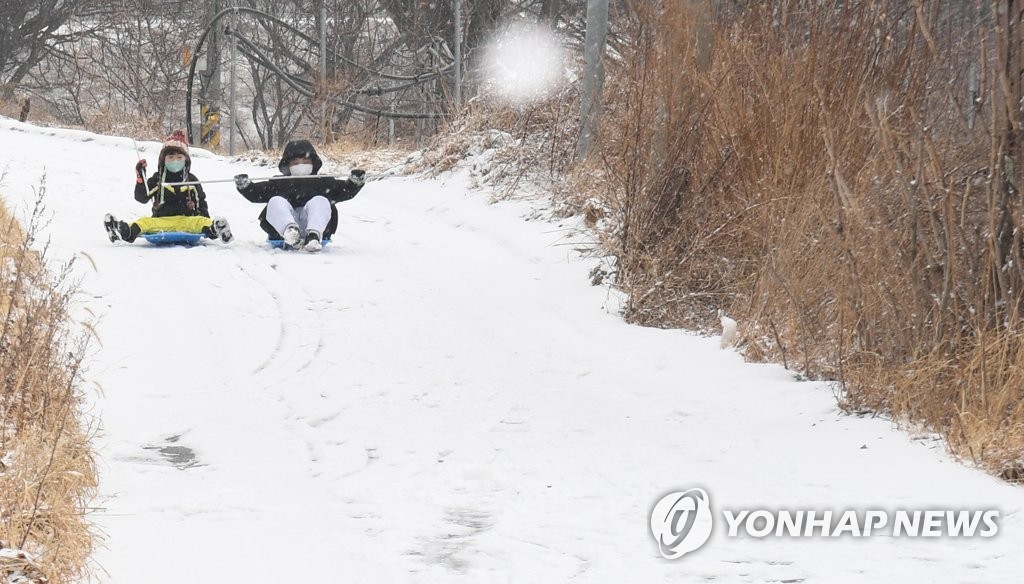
298 191
172 200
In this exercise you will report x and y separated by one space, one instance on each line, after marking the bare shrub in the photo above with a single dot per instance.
47 474
508 146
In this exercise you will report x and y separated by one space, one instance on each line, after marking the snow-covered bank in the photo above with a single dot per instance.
440 396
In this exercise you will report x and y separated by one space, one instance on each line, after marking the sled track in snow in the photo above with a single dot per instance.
297 318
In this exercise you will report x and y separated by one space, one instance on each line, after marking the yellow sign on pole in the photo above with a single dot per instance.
209 136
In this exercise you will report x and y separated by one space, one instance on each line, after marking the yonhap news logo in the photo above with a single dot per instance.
682 521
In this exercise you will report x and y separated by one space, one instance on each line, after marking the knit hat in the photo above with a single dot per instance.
176 142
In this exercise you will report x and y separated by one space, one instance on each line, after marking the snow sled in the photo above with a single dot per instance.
173 238
279 243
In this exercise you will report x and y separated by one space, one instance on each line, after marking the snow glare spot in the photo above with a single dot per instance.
524 63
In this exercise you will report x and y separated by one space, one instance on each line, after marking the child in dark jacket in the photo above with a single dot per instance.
175 207
300 210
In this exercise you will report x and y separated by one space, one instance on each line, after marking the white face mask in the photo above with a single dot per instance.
301 169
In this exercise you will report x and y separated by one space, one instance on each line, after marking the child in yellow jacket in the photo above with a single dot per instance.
175 207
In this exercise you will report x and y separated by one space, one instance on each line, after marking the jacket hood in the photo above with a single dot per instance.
299 149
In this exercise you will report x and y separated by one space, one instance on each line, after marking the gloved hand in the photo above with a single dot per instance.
357 177
140 171
242 181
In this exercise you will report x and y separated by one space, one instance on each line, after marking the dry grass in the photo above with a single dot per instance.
47 475
827 179
350 154
507 146
822 174
108 121
13 108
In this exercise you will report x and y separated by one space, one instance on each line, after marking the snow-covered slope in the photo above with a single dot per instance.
441 396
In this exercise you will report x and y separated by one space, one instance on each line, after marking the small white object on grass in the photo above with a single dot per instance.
728 329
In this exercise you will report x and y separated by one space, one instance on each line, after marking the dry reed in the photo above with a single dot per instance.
47 474
844 181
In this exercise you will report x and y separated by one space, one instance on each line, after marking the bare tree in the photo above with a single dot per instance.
121 60
128 61
28 30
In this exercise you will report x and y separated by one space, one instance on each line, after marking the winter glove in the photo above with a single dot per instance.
140 171
242 181
358 177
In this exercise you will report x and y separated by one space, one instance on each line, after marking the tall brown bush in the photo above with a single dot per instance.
47 475
845 181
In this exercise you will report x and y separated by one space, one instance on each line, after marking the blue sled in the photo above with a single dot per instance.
279 243
173 238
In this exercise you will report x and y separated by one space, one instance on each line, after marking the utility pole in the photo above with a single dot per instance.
209 96
234 79
322 82
457 6
593 75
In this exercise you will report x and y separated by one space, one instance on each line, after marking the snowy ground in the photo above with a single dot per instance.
441 396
